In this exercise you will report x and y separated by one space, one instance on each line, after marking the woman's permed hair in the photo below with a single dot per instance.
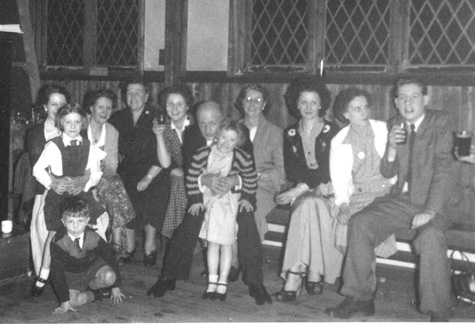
91 97
65 110
180 89
256 87
343 99
45 92
299 85
235 126
125 84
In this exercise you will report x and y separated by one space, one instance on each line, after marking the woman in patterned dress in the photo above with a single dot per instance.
110 191
310 252
176 100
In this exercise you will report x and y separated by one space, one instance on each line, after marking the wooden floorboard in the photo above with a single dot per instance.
393 300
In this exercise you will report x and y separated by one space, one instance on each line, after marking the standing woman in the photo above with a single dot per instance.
176 100
310 252
146 180
267 145
110 191
50 98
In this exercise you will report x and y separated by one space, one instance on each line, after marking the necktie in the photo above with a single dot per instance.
77 243
74 142
412 138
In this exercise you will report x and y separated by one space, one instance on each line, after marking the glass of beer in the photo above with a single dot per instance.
463 141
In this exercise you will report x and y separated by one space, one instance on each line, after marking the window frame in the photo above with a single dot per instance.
397 65
89 68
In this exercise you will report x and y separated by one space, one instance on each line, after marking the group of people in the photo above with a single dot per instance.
203 178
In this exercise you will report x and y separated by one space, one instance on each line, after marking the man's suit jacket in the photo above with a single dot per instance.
434 170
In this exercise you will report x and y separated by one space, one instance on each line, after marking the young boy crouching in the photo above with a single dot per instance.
83 267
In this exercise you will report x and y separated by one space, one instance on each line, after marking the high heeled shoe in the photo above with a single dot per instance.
210 294
313 288
288 296
221 297
150 259
127 257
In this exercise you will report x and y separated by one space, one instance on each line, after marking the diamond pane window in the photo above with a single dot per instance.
65 32
441 32
279 33
117 32
357 32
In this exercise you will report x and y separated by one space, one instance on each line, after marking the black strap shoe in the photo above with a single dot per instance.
159 289
350 306
37 291
259 293
150 259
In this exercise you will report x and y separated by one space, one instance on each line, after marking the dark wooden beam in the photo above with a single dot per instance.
176 21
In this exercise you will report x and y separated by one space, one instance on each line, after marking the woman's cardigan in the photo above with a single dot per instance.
341 160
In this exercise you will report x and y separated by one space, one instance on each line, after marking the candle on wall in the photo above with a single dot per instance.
321 68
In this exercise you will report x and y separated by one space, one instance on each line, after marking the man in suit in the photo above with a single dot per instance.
178 259
420 201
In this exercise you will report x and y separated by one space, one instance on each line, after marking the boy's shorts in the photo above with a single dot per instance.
80 281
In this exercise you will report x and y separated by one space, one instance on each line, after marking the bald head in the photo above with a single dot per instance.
209 117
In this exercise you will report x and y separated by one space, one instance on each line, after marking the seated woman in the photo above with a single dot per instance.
110 191
176 100
310 249
355 155
267 145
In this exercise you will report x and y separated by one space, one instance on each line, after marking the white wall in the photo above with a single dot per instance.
154 34
207 37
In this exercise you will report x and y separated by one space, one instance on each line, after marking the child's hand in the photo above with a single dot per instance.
117 295
177 172
64 308
245 205
195 209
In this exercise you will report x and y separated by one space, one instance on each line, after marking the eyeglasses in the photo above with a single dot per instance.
250 100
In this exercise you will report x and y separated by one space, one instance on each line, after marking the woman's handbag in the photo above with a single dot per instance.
463 281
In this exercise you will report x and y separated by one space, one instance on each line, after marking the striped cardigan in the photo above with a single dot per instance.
242 165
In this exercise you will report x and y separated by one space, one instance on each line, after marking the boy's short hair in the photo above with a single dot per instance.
67 109
74 207
238 127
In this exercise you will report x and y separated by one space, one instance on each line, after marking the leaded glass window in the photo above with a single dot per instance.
441 32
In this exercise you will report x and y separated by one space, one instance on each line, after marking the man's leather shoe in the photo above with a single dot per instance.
102 293
160 287
350 306
259 293
233 275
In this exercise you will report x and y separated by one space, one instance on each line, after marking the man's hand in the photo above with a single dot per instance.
245 205
195 209
217 184
422 219
65 307
469 159
117 295
396 135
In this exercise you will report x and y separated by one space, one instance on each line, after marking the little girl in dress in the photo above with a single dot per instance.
225 159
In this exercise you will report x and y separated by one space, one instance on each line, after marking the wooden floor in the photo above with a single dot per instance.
393 300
